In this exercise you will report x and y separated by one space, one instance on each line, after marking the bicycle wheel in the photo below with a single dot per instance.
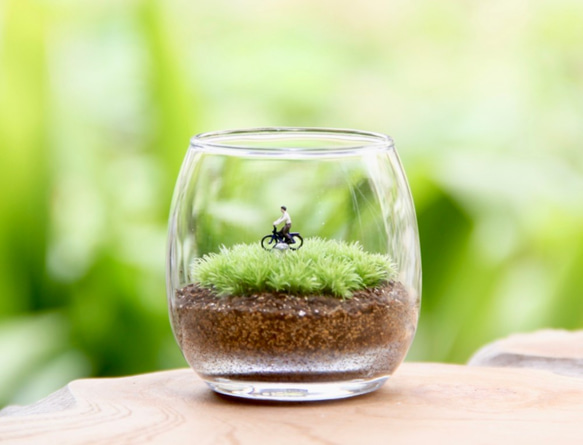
299 242
266 241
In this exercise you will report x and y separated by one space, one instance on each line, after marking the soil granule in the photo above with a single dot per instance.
288 338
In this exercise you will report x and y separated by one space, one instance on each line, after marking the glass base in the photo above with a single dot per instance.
295 392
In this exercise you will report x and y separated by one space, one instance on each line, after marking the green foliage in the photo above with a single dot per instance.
327 267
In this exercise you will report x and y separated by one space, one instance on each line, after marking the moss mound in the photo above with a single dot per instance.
324 267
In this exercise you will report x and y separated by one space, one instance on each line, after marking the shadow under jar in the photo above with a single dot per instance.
324 312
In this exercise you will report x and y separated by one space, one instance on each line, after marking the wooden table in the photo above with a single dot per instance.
422 403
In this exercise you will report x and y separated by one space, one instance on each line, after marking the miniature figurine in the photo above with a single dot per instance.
283 239
285 230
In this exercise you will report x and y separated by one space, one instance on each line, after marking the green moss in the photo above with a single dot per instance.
326 267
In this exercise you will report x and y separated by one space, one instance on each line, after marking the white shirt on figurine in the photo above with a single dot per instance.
284 218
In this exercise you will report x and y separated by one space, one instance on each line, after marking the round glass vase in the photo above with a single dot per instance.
293 269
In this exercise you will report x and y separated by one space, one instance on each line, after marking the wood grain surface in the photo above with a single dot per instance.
555 350
422 403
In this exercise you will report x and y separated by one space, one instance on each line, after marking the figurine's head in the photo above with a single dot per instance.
283 209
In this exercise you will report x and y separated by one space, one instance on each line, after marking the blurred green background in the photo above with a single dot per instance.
99 99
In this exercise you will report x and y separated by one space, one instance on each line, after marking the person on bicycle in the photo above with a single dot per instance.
288 222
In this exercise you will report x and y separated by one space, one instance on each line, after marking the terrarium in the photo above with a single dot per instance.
293 269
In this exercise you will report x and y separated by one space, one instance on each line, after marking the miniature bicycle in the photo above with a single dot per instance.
276 238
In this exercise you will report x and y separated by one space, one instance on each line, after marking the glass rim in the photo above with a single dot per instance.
280 139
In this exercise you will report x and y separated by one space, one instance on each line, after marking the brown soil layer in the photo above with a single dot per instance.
288 338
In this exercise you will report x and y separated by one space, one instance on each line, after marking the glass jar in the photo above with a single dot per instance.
293 269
